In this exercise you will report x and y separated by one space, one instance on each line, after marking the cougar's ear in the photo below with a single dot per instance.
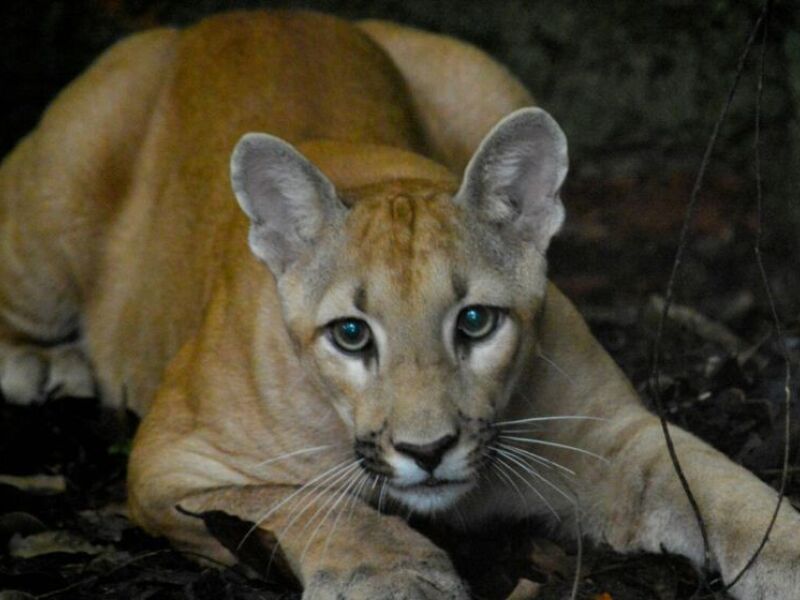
288 200
514 178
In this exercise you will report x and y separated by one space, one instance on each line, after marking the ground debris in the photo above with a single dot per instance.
525 590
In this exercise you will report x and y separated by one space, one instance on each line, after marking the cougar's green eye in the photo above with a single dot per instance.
477 322
350 335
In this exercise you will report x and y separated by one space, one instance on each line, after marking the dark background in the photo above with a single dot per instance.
636 84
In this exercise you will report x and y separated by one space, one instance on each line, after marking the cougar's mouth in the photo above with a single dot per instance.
431 483
431 495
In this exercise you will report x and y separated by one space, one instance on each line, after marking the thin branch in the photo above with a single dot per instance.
654 387
787 384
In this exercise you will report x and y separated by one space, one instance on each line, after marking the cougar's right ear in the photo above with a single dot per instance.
514 178
288 200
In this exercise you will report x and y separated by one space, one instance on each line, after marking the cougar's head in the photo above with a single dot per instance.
412 301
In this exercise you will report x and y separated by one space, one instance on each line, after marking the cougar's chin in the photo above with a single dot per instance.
430 496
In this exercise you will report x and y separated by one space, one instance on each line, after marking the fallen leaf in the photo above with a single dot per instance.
19 522
36 484
549 558
48 542
525 590
256 547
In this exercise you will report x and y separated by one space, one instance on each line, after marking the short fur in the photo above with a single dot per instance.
118 227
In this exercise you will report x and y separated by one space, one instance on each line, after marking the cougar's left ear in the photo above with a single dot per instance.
288 200
514 178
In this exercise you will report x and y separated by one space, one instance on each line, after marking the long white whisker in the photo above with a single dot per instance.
375 482
382 494
269 512
579 558
530 470
312 498
532 487
352 479
553 418
553 364
320 492
353 498
496 466
331 495
554 445
294 453
535 457
356 495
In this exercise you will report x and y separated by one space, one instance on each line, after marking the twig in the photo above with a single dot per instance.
131 561
653 383
787 383
697 323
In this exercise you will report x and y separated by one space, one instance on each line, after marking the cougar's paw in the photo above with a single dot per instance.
769 582
31 374
775 575
770 579
433 579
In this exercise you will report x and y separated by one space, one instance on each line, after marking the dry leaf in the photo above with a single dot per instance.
36 484
525 590
48 542
549 558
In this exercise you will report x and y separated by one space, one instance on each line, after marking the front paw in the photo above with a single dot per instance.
775 575
770 579
431 579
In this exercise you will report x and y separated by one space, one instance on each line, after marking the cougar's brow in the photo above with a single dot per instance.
460 287
360 298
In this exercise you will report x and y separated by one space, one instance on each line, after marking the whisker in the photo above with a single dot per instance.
579 558
530 470
382 494
532 487
321 491
554 445
295 453
553 364
374 479
269 512
353 498
496 466
351 480
356 495
296 512
535 457
552 418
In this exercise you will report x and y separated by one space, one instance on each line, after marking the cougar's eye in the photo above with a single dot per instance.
477 322
350 335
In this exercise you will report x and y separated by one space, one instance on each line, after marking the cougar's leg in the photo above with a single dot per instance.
58 188
459 91
336 545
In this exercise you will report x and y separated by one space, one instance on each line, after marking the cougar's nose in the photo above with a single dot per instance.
427 456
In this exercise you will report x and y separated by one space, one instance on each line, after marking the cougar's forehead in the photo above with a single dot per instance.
407 236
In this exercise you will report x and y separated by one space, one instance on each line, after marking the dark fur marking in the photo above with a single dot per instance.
360 299
460 287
